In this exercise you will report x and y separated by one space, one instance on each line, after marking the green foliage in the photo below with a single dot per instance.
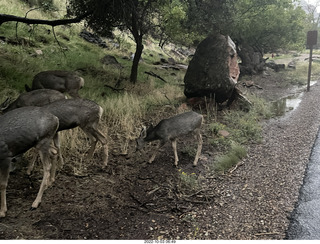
217 139
299 75
267 25
104 15
45 5
188 183
261 108
225 162
215 127
244 126
171 19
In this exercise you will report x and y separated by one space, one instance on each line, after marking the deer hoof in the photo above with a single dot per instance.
35 206
2 214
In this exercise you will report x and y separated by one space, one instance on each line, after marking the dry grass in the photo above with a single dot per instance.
122 115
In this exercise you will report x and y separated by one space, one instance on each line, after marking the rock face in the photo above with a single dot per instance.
111 60
214 70
93 38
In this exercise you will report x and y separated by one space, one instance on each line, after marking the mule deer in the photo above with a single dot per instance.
171 129
20 130
83 113
36 98
62 81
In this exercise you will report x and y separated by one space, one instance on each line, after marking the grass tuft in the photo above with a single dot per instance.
225 162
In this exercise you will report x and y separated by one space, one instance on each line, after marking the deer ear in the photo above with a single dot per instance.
143 132
5 104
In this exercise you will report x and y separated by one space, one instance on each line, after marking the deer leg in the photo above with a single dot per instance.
174 147
199 136
92 131
32 163
53 154
160 144
44 152
56 141
4 176
93 144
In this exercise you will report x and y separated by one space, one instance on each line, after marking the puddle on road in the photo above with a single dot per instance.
286 104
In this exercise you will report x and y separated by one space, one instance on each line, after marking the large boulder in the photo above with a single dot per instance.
213 71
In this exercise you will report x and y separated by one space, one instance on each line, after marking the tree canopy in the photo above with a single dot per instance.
135 15
263 26
255 26
266 24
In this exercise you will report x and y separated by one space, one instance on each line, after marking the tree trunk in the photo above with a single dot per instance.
137 33
136 59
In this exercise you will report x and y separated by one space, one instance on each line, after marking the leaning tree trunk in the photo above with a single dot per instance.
137 32
136 59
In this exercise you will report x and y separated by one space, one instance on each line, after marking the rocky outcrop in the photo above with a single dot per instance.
93 38
111 60
213 71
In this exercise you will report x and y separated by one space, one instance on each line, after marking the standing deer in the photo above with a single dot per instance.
36 98
83 113
62 81
169 130
20 130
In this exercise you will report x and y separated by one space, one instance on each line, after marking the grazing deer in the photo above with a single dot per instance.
169 130
83 113
62 81
36 98
20 130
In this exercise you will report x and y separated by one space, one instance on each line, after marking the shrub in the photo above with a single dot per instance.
188 183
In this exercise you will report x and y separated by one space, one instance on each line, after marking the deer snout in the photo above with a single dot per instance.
139 144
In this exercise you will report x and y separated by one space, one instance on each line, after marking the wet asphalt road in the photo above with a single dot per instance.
305 219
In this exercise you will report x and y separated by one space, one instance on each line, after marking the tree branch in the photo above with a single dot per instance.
7 18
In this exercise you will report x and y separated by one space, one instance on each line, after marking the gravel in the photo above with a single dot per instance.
256 200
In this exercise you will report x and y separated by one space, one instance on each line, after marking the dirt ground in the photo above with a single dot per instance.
130 199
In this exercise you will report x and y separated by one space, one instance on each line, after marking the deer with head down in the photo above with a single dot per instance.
169 130
36 98
59 80
83 113
20 130
71 113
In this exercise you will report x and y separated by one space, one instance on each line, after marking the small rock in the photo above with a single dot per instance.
38 52
223 133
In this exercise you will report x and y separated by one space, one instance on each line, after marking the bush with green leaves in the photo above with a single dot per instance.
188 182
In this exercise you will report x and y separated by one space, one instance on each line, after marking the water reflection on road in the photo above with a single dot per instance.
286 104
